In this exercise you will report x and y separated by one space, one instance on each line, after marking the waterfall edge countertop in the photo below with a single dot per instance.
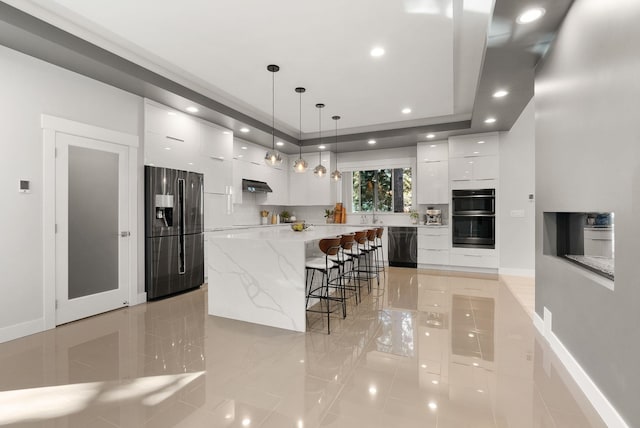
258 275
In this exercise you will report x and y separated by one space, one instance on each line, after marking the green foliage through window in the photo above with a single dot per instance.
382 190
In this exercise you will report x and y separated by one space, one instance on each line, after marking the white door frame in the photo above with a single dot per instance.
52 125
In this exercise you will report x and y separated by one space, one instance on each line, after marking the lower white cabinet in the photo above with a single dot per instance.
430 256
474 257
433 246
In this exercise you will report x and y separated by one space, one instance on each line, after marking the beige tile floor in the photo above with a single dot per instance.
424 350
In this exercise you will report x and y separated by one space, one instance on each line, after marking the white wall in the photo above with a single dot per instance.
29 88
517 181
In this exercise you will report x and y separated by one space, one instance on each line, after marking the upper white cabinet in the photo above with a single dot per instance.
474 145
474 157
433 173
180 141
249 164
216 148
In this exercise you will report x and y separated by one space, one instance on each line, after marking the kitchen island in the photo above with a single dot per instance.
258 275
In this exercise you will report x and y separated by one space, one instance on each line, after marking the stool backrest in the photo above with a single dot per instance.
347 241
379 232
330 246
361 236
371 234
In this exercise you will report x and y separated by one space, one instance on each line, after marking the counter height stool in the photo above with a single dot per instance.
330 247
345 260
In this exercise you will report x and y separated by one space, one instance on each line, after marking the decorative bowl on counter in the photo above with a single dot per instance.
298 226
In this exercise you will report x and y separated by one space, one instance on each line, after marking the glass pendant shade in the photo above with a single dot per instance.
320 171
336 175
272 157
300 166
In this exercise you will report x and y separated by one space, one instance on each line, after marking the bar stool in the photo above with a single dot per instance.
379 249
374 267
361 251
330 247
345 260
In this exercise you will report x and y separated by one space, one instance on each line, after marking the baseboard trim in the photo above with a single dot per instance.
530 273
598 400
20 330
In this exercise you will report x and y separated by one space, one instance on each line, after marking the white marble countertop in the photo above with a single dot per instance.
318 225
285 233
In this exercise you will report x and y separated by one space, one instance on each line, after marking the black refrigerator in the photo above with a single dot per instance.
174 240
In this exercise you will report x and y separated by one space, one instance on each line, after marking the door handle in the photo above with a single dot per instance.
125 234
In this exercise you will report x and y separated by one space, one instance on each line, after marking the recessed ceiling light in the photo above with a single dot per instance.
279 143
500 93
475 153
190 163
244 130
424 366
244 147
406 110
373 390
192 109
530 15
371 142
226 132
431 135
246 422
171 113
426 333
480 142
471 335
475 365
467 315
377 51
490 120
322 147
432 405
435 382
167 148
432 146
480 390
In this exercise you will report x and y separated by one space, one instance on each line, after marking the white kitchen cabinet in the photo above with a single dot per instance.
169 123
474 257
473 168
433 246
216 148
432 151
433 182
278 180
474 145
598 242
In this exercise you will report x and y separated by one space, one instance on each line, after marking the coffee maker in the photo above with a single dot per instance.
434 217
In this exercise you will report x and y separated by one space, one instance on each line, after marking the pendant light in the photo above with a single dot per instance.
320 171
336 175
272 157
300 166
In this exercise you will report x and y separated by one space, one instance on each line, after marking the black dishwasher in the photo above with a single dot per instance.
403 246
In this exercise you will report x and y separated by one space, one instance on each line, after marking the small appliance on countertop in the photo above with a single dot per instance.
433 217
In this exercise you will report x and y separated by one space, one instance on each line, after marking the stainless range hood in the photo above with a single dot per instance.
255 186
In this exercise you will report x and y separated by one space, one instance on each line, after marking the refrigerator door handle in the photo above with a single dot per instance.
181 254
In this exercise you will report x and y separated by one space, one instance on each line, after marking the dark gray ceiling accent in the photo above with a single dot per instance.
510 59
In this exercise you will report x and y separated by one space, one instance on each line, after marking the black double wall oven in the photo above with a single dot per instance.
474 218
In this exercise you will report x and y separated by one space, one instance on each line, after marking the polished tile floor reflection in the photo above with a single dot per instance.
424 350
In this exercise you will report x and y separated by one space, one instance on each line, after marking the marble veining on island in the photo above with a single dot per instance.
258 275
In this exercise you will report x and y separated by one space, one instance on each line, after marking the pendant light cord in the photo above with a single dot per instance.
273 110
300 126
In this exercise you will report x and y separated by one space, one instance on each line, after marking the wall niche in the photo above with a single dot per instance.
586 239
